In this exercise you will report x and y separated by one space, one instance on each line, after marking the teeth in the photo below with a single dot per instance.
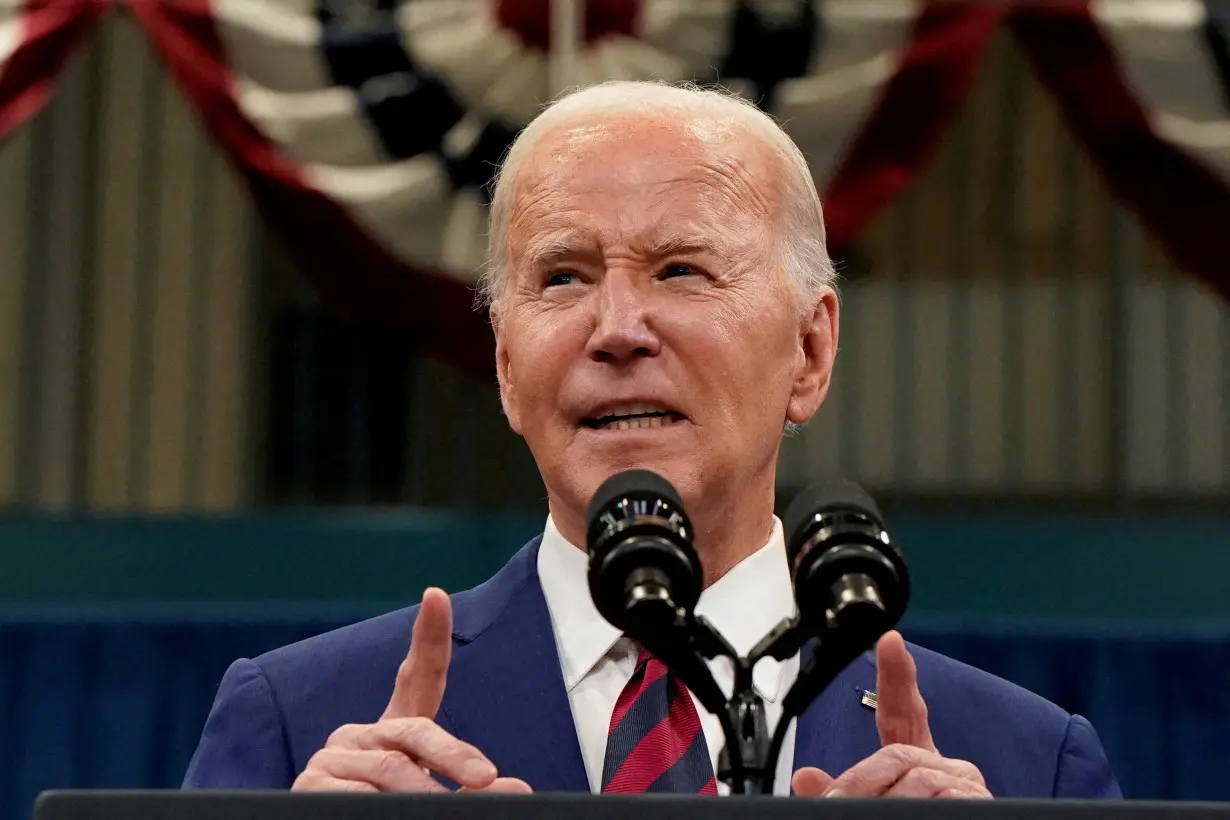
635 410
641 423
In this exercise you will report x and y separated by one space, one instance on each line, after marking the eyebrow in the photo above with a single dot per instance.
548 250
680 245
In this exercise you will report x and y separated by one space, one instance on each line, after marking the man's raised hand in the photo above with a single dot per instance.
400 751
908 764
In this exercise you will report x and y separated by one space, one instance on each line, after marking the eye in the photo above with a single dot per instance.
678 269
562 278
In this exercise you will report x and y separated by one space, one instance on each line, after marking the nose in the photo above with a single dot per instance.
622 332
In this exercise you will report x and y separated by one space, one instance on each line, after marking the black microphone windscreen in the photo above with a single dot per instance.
626 483
827 496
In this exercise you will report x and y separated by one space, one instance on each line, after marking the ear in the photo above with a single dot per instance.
504 373
817 350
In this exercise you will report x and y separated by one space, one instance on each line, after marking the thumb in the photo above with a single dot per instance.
502 785
811 782
422 675
901 712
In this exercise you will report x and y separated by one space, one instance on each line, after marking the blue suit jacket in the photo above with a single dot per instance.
506 696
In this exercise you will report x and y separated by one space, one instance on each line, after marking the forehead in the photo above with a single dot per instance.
641 176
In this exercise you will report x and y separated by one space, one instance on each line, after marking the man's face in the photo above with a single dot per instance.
647 321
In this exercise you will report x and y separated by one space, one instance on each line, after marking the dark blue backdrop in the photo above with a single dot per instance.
114 632
91 702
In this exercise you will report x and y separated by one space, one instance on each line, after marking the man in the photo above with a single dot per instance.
661 297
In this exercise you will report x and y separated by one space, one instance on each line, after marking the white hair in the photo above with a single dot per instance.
803 253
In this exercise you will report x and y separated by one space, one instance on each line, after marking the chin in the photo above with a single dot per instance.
584 465
681 474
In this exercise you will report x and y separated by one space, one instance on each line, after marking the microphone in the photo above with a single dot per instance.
645 578
850 585
847 574
644 574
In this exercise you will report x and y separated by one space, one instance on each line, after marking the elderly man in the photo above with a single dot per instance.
661 297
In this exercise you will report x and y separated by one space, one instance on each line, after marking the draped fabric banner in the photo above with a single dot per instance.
368 130
1145 85
370 133
36 38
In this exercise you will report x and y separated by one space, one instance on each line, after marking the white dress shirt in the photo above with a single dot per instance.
597 661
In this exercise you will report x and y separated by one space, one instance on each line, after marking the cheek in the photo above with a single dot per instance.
748 359
541 350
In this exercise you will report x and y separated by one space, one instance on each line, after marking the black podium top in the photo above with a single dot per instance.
170 805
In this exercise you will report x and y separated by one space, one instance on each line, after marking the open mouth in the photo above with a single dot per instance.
637 417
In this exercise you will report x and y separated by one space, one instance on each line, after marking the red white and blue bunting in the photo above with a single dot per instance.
36 39
368 130
1145 85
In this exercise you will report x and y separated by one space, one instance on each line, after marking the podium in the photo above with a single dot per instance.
219 805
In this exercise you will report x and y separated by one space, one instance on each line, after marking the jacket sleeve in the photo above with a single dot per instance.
243 745
1083 771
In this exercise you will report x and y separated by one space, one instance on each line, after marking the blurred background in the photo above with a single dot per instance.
245 395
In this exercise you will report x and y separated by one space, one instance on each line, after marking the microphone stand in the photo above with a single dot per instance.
828 658
748 762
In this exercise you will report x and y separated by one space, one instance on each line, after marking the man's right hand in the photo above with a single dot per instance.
400 751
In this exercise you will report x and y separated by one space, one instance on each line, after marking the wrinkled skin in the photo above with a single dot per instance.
645 268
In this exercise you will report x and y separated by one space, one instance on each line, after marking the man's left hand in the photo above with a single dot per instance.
907 764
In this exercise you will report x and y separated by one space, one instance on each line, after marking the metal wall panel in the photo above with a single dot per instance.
1008 328
125 297
14 198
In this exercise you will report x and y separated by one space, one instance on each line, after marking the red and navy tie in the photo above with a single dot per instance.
655 743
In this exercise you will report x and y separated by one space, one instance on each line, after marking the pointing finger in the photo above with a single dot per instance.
901 712
422 675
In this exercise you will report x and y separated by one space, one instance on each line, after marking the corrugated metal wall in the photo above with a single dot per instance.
1016 330
125 286
1006 327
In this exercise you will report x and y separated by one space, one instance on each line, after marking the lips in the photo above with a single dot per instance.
632 416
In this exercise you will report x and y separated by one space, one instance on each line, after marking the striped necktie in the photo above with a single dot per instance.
655 743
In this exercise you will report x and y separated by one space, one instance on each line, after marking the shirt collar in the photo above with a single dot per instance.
582 635
742 605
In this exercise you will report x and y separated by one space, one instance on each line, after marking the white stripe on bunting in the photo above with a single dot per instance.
324 126
10 31
862 45
1165 57
272 43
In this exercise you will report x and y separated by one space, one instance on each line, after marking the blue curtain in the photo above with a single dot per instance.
120 702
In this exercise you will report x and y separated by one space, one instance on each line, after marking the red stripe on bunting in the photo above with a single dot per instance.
51 30
351 270
1181 202
925 94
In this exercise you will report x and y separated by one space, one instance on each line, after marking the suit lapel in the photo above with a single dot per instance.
505 690
837 731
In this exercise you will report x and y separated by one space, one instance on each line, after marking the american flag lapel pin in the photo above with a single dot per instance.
868 698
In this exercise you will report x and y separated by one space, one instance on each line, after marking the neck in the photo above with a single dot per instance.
729 528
